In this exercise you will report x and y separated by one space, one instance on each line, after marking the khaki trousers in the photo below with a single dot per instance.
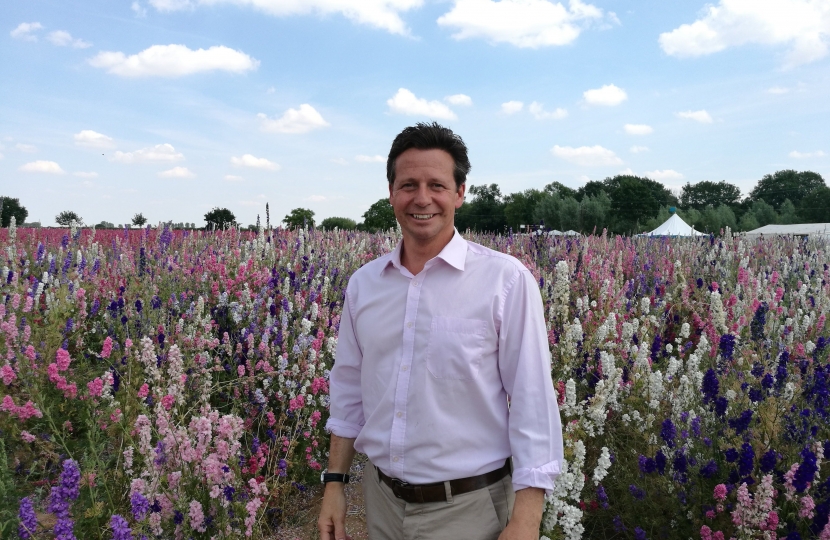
477 515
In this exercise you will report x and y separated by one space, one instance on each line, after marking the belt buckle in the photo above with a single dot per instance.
397 484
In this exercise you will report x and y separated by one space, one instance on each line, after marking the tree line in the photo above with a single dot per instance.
622 204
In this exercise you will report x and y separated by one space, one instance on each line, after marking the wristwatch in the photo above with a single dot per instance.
327 477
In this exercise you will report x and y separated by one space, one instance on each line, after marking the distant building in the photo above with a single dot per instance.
798 229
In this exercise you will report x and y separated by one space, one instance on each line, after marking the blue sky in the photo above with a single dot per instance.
173 107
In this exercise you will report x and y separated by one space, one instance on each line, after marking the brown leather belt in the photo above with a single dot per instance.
436 492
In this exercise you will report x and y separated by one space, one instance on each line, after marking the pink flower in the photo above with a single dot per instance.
710 514
240 370
315 417
720 492
168 401
8 374
8 404
27 437
30 353
95 387
107 348
705 533
717 536
62 359
128 343
296 403
197 516
143 391
807 507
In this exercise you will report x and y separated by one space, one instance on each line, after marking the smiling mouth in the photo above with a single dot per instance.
422 216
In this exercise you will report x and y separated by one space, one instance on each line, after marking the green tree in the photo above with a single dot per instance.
776 188
594 213
331 223
787 213
632 204
379 217
661 195
219 218
139 220
748 222
706 193
105 225
485 212
65 218
816 207
299 217
11 207
716 219
519 207
548 211
569 214
764 213
562 190
592 188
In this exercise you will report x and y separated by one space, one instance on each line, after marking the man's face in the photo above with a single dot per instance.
424 195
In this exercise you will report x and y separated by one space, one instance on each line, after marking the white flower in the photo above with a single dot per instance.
603 464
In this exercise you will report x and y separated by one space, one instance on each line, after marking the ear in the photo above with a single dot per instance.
460 200
390 192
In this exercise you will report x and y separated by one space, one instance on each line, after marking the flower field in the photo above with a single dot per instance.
173 384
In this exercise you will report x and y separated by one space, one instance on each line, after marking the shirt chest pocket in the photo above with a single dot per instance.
455 347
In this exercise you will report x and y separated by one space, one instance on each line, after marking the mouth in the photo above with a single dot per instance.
421 217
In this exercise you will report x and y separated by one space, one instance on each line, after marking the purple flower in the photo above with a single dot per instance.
160 458
680 462
768 461
806 470
639 534
65 529
646 465
229 491
660 461
602 497
721 404
709 470
746 461
696 426
120 528
636 492
67 490
711 386
140 505
28 520
727 346
668 432
178 517
619 526
741 423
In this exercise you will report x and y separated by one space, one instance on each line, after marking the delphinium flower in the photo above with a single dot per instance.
660 461
28 519
637 492
668 432
709 469
746 461
711 386
806 470
768 461
120 528
639 534
140 506
741 423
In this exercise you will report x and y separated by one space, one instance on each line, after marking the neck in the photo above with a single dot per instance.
415 254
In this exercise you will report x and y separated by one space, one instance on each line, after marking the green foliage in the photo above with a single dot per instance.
11 207
764 213
632 202
787 214
104 225
816 207
518 208
714 220
787 184
139 220
594 212
219 218
67 217
299 218
748 222
379 217
707 193
343 223
485 212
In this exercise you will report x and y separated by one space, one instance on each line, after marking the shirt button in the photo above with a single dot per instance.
415 283
395 459
409 325
399 414
404 368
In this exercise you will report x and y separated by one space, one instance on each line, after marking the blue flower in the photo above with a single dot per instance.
768 461
746 461
806 470
647 465
178 517
668 432
120 528
709 470
727 346
619 526
721 404
140 506
636 492
731 455
639 534
28 519
741 423
660 461
711 386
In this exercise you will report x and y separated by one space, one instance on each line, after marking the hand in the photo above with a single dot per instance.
332 520
527 515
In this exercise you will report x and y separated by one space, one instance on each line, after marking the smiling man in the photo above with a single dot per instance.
442 372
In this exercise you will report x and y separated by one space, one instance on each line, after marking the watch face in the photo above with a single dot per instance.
322 475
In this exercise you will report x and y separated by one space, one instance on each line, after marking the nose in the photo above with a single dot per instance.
422 197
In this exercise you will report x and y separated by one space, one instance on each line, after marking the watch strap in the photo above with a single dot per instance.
334 477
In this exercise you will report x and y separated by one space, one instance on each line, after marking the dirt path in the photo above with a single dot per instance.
305 517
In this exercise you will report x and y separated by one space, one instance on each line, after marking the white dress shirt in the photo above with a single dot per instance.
425 364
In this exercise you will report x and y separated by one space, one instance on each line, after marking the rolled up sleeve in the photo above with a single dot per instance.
346 405
535 428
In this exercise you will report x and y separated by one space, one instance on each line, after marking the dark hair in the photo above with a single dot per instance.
425 136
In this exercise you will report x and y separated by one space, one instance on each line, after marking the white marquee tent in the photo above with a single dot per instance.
797 229
674 226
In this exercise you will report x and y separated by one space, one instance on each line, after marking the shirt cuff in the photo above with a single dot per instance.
540 477
342 428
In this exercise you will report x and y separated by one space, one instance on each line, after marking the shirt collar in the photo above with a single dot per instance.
454 254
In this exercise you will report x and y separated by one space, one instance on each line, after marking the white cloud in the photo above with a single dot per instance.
803 26
92 139
778 90
638 129
801 155
627 172
609 95
383 14
461 100
42 167
62 38
270 90
177 172
254 162
82 174
698 116
315 198
340 161
138 9
370 159
256 202
664 175
26 31
539 112
233 178
28 148
587 156
159 152
405 102
512 107
173 61
523 23
638 149
301 120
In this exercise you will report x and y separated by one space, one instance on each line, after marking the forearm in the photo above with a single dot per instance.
341 454
528 508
